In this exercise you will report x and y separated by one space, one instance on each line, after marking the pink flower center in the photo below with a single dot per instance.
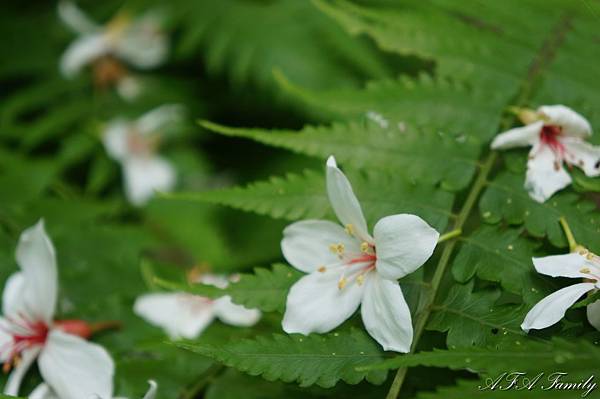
25 334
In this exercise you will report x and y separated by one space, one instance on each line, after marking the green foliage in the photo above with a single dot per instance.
523 355
407 96
506 199
314 359
502 256
389 147
473 318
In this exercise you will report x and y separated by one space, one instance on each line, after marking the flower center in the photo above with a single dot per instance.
25 334
355 266
592 270
108 71
549 136
140 144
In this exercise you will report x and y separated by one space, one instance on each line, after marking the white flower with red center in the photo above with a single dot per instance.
349 268
581 264
183 315
43 391
71 366
134 144
139 42
556 134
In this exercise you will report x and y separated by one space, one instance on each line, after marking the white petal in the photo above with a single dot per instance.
37 259
42 391
82 52
568 265
518 137
543 177
573 124
12 297
316 304
305 244
73 17
403 243
151 391
583 155
552 308
216 280
75 368
143 44
159 118
16 376
115 139
236 315
179 315
5 341
386 315
344 202
593 314
144 176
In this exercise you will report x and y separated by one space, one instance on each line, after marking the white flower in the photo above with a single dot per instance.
184 315
348 267
138 42
134 143
43 391
581 264
73 367
556 134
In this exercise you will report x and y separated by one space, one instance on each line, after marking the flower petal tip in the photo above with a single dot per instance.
331 162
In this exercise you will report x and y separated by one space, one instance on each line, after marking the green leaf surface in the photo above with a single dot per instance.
474 318
315 359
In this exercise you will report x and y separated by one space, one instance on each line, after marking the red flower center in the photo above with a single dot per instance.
25 334
549 135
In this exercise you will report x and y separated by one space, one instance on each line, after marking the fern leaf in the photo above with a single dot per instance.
502 256
315 359
409 152
473 318
506 199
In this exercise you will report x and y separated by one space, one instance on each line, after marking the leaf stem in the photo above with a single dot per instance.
449 235
568 233
421 319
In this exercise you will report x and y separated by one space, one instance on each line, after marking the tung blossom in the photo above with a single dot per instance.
123 41
134 143
71 366
581 264
556 134
348 267
184 315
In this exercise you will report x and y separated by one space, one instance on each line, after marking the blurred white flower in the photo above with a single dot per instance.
556 134
134 143
349 268
138 42
43 391
581 264
183 315
73 367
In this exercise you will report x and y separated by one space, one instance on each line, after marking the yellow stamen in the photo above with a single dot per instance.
584 270
337 248
364 246
349 229
342 283
322 269
360 279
